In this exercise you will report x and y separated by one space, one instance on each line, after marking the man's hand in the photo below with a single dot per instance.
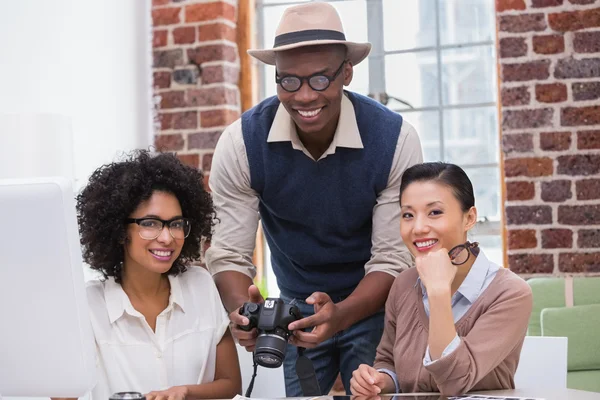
173 393
367 381
245 338
325 322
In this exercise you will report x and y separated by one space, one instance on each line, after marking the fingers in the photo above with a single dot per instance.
154 396
363 383
254 295
245 338
238 319
307 340
318 298
309 322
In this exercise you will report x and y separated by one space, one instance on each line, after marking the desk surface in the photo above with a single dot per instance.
547 394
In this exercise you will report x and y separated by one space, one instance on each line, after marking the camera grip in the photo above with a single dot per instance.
250 311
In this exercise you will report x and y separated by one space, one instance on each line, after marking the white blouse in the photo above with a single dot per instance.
182 351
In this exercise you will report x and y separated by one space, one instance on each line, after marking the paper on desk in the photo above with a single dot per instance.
483 397
238 397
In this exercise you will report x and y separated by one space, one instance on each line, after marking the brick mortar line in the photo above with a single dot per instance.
553 204
540 251
576 128
200 152
203 108
195 24
184 87
558 105
186 132
546 32
182 132
565 7
549 154
200 129
202 43
550 178
551 129
190 66
545 153
531 83
173 132
170 5
225 63
553 226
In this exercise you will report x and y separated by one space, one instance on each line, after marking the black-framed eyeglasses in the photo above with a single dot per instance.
460 254
318 82
150 228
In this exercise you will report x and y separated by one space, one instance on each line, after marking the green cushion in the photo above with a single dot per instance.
550 292
586 291
581 324
584 380
547 292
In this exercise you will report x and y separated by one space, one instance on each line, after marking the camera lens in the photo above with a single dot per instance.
270 350
127 396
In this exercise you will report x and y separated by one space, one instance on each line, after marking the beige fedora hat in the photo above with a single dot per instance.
311 24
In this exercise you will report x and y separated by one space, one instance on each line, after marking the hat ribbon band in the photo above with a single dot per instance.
308 35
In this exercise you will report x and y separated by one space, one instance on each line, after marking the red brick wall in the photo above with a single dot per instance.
196 69
549 66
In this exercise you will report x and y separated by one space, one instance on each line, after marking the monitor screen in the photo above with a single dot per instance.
46 340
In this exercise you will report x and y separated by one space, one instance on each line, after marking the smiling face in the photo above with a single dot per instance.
432 217
155 255
314 112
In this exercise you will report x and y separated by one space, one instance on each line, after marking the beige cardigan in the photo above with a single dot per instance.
491 333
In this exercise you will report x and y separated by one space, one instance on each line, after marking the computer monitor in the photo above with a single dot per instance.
46 339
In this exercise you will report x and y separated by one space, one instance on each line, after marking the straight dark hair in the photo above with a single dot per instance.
447 174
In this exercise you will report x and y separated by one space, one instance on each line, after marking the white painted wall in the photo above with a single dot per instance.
75 85
75 78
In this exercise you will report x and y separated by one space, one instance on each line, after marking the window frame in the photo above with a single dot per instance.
486 225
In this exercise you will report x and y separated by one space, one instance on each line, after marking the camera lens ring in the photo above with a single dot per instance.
270 353
273 336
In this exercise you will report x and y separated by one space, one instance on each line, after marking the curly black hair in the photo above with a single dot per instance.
115 190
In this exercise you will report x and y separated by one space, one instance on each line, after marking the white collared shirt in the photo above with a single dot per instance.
237 203
182 350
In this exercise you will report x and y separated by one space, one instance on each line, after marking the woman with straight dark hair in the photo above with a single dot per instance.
457 321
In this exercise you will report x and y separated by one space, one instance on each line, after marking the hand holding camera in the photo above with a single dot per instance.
271 320
246 338
325 322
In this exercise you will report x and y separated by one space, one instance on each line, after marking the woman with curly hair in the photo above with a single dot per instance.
159 323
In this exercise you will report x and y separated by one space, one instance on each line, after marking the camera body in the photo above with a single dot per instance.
271 319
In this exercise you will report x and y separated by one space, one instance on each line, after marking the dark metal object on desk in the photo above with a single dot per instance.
127 396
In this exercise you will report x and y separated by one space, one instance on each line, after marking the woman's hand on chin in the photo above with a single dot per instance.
435 270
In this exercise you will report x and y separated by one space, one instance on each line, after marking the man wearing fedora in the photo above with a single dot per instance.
321 167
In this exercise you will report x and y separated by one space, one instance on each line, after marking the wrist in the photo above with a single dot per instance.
185 390
343 315
439 291
389 386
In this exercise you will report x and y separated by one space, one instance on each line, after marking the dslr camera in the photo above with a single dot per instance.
271 319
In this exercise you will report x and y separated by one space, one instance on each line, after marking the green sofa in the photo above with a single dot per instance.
579 321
